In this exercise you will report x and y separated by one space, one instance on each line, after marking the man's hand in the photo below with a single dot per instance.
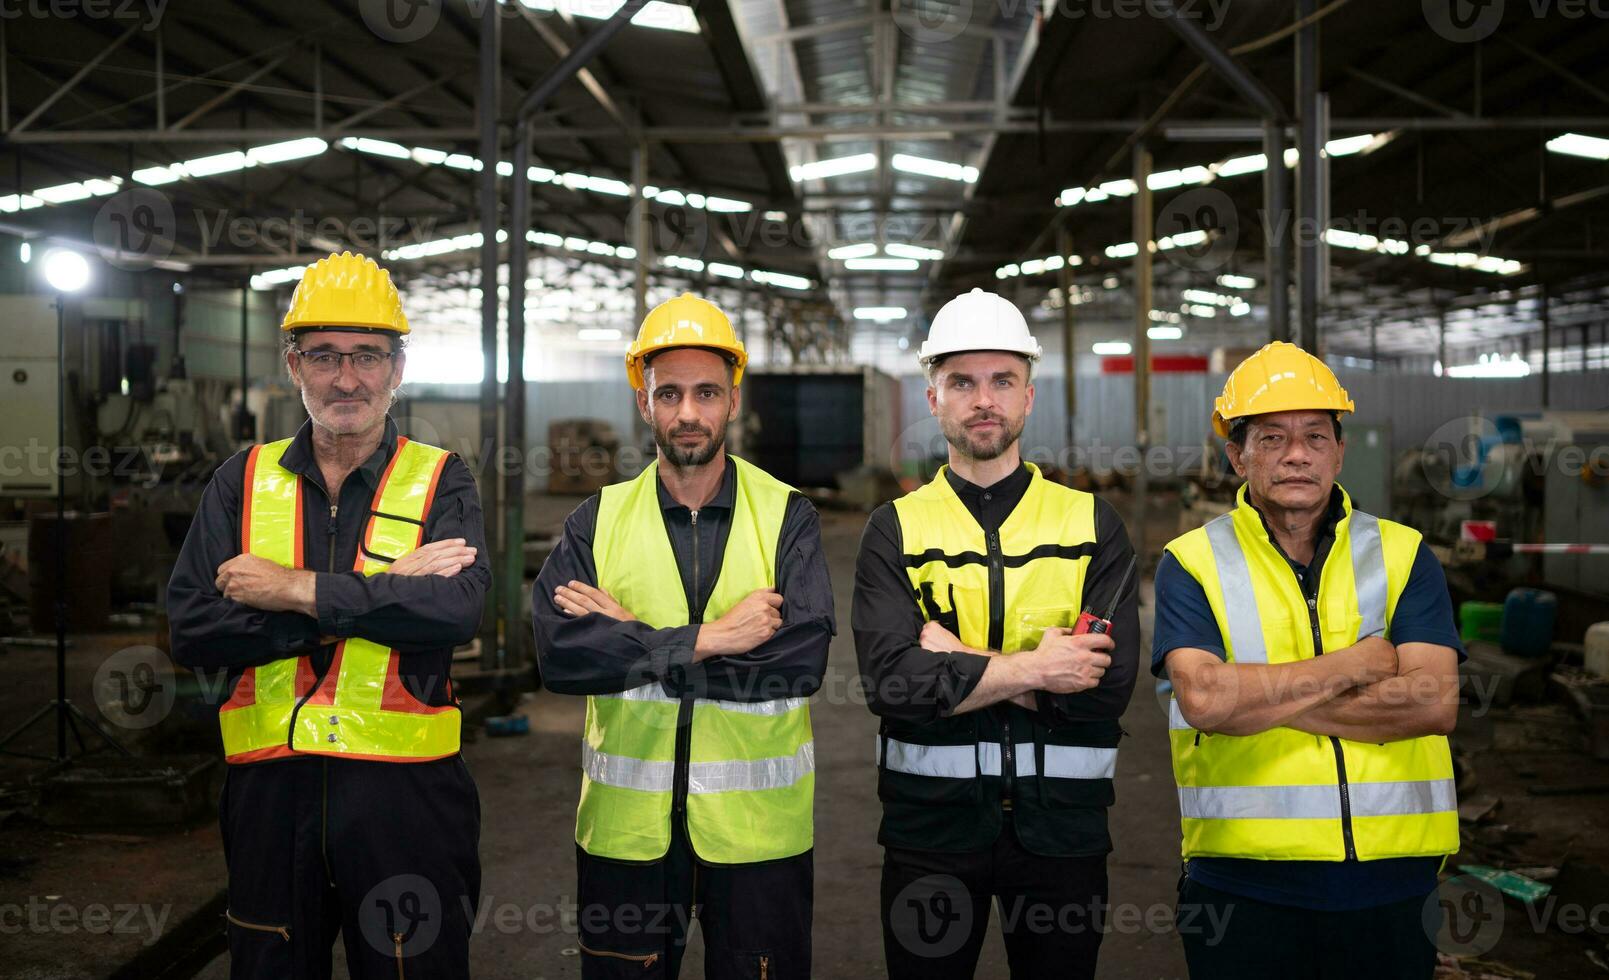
937 639
751 622
1376 660
262 584
1068 663
446 558
581 599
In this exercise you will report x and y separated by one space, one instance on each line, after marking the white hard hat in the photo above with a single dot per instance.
978 321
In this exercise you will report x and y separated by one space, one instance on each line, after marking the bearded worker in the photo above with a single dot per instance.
691 606
999 719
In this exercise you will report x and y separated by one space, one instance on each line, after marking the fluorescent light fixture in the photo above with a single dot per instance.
904 251
1577 145
724 271
1231 281
597 333
308 146
782 279
379 148
1206 296
218 163
1126 250
837 167
1182 240
66 270
879 313
1348 145
683 263
727 205
153 176
1112 348
1196 309
1480 263
1235 166
776 216
1492 366
25 253
881 265
1164 333
655 13
1164 179
859 250
934 168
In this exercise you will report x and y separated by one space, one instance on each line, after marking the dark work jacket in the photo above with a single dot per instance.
916 691
421 617
594 654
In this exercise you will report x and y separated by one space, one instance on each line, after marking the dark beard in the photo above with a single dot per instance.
957 436
683 457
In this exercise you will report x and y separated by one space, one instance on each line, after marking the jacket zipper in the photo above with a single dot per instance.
282 932
647 961
1335 743
997 641
684 711
290 736
765 968
396 937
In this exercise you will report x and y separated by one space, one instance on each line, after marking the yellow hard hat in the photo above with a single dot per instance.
348 291
686 321
1279 378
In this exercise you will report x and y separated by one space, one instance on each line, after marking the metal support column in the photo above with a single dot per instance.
1547 348
641 240
1308 240
1276 231
1143 262
490 491
519 222
1064 247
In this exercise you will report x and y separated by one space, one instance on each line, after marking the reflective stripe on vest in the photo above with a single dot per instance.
1402 798
1236 797
984 759
737 775
750 765
360 708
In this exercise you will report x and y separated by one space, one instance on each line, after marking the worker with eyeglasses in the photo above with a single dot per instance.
320 591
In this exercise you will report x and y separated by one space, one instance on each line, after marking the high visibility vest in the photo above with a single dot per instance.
1284 794
359 709
746 770
942 783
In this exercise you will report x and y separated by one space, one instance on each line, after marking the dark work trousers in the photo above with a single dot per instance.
634 917
1229 937
936 907
382 853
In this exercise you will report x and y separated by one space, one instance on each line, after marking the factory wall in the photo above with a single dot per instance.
1415 407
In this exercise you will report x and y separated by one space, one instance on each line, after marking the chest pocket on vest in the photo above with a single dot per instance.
1027 626
1339 618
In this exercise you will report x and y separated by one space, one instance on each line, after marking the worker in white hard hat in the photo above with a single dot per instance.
999 712
1309 660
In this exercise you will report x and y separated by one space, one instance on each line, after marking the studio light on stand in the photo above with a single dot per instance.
66 272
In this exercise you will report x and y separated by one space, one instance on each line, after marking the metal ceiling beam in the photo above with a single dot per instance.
78 76
226 94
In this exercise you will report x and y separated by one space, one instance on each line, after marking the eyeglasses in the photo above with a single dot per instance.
329 361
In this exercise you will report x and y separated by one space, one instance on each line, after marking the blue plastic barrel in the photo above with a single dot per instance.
1528 619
